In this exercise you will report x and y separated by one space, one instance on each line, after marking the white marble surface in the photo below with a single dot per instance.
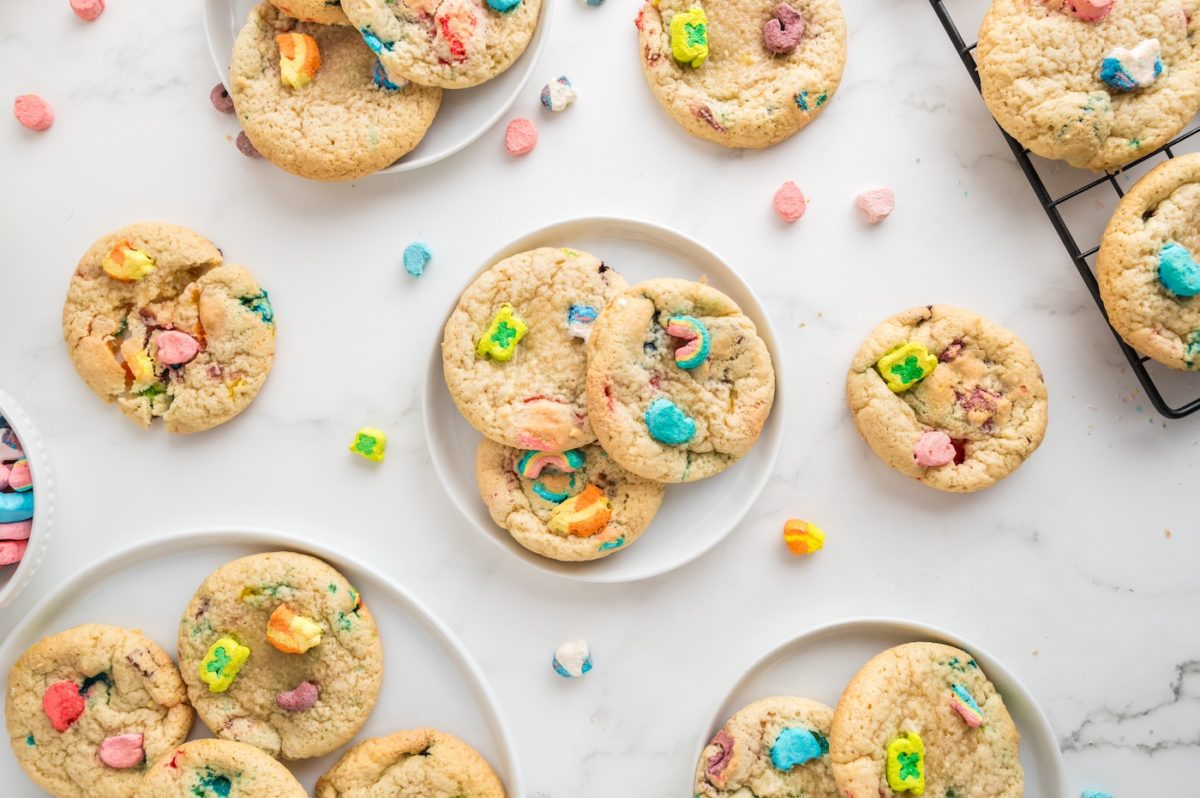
1065 571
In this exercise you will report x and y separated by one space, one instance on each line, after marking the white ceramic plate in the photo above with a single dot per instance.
820 663
465 114
694 517
14 578
429 678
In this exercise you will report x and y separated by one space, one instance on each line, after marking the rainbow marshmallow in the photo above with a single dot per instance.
299 59
532 464
699 342
962 703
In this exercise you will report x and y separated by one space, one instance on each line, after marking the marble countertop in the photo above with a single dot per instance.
1079 572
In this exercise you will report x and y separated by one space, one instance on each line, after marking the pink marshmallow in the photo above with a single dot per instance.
1090 10
19 478
18 530
4 471
122 751
934 449
11 551
87 9
520 137
33 112
877 204
790 203
175 348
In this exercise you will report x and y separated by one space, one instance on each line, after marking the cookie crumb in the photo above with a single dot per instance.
790 202
33 112
520 137
416 258
87 10
572 659
877 204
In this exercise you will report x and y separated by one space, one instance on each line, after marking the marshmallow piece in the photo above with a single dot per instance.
299 59
583 515
503 6
12 551
370 443
783 32
16 507
4 472
558 94
802 537
18 530
905 766
790 203
697 344
689 37
962 703
416 258
520 137
33 112
797 745
19 478
572 659
580 319
877 204
292 633
122 751
222 663
667 423
87 10
10 445
934 449
499 341
1131 69
905 365
1090 10
126 264
62 704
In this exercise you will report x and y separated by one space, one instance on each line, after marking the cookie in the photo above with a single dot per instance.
1096 93
416 763
454 44
679 384
774 748
155 322
513 350
947 397
766 68
218 769
278 651
88 707
569 506
322 12
346 119
924 715
1149 264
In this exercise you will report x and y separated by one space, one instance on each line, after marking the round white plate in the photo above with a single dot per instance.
694 517
821 662
14 578
465 114
429 678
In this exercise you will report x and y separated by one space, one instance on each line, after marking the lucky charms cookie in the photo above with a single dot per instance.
314 100
454 44
89 707
570 506
514 349
416 763
279 651
155 322
774 748
947 397
743 73
923 719
218 769
1096 83
679 383
1149 264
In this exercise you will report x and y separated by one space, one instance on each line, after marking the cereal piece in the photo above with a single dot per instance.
1177 270
699 342
370 443
790 203
503 6
19 478
520 137
33 112
122 751
906 763
220 666
962 703
300 698
795 746
246 147
127 264
582 515
220 99
292 633
87 10
572 659
802 537
783 32
16 507
668 424
174 348
558 94
1132 69
877 204
1090 10
499 341
580 319
905 365
63 704
12 551
934 449
416 258
299 59
532 463
689 37
18 530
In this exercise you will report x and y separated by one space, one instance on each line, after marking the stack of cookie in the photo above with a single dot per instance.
919 718
592 396
335 91
280 659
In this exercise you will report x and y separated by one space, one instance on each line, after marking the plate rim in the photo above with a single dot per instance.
777 416
933 632
214 9
220 535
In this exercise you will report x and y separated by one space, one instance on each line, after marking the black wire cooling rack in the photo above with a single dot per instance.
1081 256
